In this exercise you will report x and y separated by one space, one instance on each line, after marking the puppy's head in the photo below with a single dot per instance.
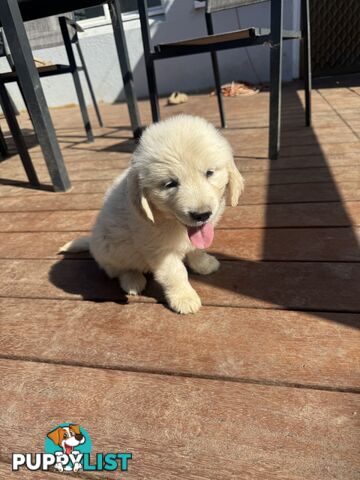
67 437
181 169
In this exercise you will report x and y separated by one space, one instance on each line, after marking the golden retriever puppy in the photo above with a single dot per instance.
161 211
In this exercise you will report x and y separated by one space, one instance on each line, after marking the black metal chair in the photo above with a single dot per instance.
63 37
241 38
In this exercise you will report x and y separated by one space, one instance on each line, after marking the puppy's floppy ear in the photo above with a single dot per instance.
55 435
236 183
137 196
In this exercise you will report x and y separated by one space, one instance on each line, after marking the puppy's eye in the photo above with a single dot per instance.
209 173
65 435
171 184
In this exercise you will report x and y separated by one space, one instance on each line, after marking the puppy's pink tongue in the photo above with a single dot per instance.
201 237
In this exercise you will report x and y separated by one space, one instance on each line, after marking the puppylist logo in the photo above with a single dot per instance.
68 449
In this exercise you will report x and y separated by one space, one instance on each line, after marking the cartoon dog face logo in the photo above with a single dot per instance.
67 438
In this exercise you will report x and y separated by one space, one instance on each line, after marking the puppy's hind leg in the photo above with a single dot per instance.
80 244
132 281
201 262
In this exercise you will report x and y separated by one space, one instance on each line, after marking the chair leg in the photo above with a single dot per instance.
82 104
149 62
76 78
127 75
91 90
15 110
215 66
306 39
275 78
218 88
153 94
17 136
29 80
3 145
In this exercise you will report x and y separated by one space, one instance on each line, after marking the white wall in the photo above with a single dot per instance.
189 74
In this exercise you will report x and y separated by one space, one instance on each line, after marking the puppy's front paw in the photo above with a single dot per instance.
203 263
184 301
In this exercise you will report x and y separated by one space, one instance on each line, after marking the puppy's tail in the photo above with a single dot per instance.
81 244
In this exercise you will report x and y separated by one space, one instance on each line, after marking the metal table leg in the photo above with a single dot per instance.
126 72
29 80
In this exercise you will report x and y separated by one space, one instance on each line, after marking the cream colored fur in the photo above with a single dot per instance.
142 226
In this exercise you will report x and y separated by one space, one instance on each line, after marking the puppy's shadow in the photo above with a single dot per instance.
238 282
81 277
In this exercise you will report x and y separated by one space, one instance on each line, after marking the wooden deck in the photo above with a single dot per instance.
263 383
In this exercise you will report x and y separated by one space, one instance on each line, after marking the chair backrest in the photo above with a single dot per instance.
218 5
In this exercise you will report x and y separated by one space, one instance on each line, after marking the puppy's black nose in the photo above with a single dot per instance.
200 217
79 437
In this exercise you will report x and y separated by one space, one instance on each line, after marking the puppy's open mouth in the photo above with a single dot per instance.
202 236
68 449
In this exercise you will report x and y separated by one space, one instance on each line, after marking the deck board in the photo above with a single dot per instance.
322 244
246 216
253 195
5 472
185 427
278 177
290 285
100 160
280 348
